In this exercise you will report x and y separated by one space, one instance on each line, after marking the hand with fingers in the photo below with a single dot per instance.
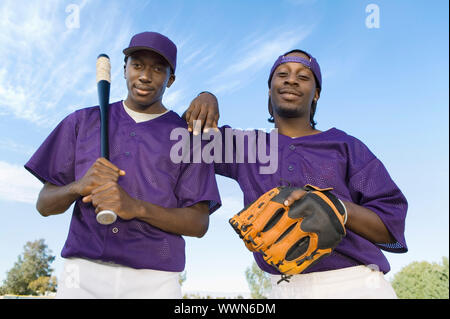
203 108
296 194
112 197
100 173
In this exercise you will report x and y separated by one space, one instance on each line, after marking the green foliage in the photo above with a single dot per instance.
33 264
422 280
42 285
258 282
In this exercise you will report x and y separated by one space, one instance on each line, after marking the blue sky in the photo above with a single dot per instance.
388 86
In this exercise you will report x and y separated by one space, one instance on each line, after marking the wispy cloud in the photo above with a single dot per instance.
193 55
51 68
9 145
18 185
257 54
48 62
174 100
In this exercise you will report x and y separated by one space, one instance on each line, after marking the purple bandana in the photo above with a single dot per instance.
310 63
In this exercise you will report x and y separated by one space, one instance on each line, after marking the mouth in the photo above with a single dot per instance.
143 90
289 93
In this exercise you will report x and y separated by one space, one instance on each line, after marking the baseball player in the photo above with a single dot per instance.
375 208
157 201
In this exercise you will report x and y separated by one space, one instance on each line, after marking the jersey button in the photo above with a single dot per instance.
290 168
115 230
291 147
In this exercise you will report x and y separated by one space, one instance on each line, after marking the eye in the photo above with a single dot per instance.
282 74
303 77
136 65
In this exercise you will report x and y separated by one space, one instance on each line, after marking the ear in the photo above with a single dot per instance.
125 71
269 106
317 95
171 80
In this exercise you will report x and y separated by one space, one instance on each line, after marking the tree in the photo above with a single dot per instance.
31 274
422 280
258 282
43 285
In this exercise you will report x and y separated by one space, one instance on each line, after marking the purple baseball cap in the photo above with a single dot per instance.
155 42
310 63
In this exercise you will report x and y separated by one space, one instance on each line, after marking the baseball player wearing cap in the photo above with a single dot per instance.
156 200
376 208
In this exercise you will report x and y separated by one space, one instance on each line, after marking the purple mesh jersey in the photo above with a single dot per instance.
142 151
328 159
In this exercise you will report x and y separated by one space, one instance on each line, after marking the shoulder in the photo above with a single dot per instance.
173 120
92 113
85 113
341 136
359 153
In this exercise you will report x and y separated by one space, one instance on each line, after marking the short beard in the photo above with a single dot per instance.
290 112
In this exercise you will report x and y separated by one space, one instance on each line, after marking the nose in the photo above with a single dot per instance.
291 79
145 76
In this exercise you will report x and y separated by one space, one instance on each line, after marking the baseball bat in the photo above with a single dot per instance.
103 77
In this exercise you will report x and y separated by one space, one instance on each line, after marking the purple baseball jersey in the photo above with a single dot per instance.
142 151
328 159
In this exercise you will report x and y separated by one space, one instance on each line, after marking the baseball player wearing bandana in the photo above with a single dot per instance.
157 201
375 206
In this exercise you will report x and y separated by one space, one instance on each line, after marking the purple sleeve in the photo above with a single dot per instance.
372 187
54 161
197 183
227 166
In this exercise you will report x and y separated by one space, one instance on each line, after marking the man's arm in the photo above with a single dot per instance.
367 223
360 220
188 221
55 199
204 108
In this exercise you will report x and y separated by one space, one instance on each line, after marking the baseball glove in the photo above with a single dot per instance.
292 238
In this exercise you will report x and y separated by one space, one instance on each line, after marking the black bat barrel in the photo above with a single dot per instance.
103 97
103 88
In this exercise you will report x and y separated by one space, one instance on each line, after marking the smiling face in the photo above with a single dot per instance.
293 89
147 75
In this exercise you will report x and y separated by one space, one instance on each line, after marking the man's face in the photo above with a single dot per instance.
293 89
147 75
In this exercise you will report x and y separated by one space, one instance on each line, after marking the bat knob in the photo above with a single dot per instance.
106 217
103 55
